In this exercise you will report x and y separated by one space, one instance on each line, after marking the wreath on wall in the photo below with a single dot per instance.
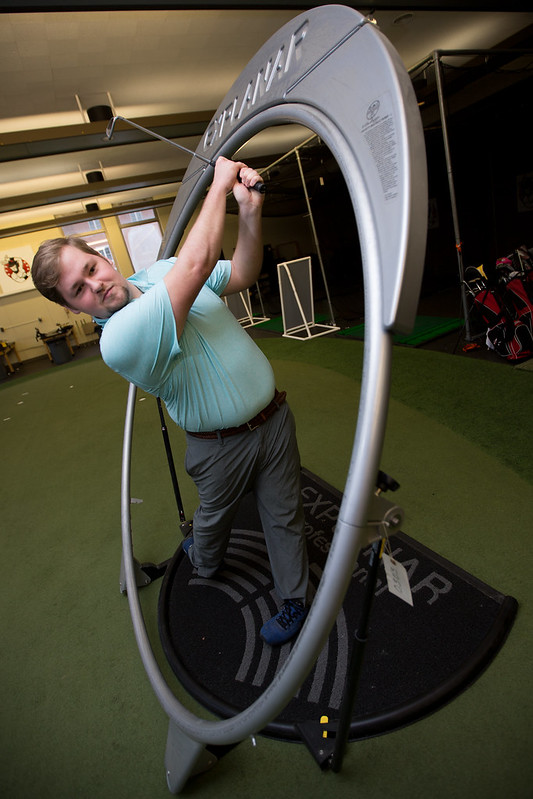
16 268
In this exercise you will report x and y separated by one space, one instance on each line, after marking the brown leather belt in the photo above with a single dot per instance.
253 424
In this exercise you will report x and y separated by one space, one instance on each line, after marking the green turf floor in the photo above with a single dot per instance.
79 718
426 328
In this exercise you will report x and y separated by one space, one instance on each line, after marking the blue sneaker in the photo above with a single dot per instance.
203 571
186 544
285 624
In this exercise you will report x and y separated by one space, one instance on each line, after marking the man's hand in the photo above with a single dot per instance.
235 176
247 178
226 174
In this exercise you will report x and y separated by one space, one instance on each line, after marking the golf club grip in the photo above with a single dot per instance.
259 186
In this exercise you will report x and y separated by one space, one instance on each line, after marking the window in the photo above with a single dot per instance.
82 228
142 236
101 246
136 216
98 241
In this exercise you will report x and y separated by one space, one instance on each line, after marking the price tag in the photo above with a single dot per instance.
397 579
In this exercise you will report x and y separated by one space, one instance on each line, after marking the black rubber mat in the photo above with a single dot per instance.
416 659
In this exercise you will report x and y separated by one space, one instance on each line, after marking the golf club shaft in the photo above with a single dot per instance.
259 186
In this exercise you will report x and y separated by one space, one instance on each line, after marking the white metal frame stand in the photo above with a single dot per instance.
241 307
297 306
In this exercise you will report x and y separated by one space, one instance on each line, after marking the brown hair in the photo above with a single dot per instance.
45 269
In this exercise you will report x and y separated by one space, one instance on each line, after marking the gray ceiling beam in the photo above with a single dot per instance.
91 135
89 191
92 191
102 213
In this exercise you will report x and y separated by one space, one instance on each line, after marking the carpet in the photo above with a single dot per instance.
426 328
417 658
526 365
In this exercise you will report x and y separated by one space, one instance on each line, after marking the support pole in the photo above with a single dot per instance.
172 468
458 243
356 661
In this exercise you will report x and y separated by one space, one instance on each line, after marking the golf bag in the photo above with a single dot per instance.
506 308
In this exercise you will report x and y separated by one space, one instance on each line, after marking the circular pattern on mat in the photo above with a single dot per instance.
416 658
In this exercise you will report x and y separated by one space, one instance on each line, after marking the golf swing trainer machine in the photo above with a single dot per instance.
330 70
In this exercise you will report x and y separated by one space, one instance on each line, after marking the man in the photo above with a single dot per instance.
167 330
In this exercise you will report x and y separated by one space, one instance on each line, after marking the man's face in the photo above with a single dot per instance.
90 284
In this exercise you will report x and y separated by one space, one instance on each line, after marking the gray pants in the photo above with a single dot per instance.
265 461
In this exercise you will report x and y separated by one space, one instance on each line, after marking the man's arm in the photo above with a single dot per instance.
201 249
248 256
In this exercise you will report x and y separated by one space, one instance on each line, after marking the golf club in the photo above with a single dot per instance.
260 187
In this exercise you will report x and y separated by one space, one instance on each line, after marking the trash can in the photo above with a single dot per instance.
59 349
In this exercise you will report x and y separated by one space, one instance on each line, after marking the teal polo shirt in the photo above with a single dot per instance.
214 377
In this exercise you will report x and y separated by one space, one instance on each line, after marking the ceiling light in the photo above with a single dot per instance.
95 176
95 107
100 113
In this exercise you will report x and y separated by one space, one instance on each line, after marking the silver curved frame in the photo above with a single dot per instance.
392 235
